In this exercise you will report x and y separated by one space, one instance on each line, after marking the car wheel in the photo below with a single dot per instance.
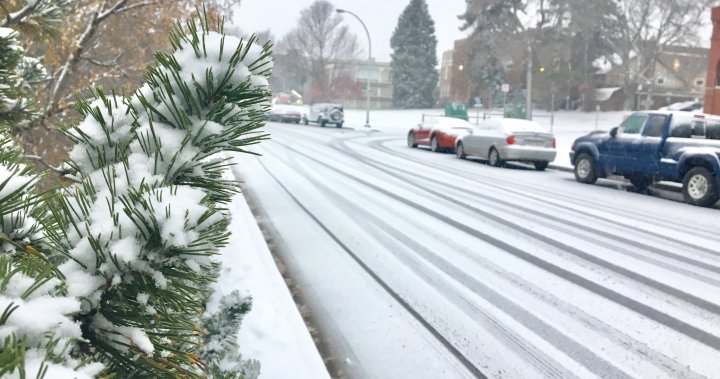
306 121
460 151
411 140
338 125
494 158
585 170
297 121
700 187
541 165
322 122
640 182
434 145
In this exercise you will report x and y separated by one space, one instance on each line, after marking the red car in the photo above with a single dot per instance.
439 133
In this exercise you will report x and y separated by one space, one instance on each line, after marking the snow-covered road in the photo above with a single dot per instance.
420 265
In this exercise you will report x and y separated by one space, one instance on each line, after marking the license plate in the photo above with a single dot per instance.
535 143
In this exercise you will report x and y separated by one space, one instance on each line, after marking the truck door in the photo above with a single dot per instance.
648 156
622 150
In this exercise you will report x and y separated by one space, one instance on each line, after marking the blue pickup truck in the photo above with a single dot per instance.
656 145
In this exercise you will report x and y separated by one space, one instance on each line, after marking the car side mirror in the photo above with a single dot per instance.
614 132
471 131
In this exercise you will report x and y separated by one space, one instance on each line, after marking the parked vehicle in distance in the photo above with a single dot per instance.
440 133
284 113
685 106
656 145
325 113
506 139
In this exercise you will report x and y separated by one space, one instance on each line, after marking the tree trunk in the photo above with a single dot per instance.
629 85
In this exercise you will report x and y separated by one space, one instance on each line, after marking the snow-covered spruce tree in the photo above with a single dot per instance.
143 225
413 58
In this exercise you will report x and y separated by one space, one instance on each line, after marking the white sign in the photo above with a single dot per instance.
505 88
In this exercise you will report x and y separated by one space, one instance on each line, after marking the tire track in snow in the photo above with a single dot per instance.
650 282
385 232
411 176
638 307
612 237
641 350
378 145
435 333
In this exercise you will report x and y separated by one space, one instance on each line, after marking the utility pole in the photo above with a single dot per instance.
528 97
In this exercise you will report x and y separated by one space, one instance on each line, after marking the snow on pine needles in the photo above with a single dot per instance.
135 237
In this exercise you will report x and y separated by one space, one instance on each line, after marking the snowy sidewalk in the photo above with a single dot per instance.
273 332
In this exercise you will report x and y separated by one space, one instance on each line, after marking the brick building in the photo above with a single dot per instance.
712 79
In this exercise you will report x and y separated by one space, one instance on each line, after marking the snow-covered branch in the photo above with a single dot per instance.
110 63
19 16
81 46
57 170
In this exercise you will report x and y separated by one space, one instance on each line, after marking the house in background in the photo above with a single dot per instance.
381 88
678 75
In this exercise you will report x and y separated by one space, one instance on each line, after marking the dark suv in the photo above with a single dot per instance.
325 113
656 145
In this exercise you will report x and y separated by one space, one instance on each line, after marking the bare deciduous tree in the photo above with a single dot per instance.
89 43
321 46
645 29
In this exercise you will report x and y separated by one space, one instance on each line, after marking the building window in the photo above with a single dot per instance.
676 64
660 80
699 82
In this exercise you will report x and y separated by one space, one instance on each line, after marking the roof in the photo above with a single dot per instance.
604 94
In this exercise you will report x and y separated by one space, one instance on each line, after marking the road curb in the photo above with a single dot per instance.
665 186
560 168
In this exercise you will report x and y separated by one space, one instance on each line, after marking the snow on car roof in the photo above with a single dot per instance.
453 122
520 125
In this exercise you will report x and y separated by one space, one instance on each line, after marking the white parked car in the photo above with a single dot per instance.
505 139
325 113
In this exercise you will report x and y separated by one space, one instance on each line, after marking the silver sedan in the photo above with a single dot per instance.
505 139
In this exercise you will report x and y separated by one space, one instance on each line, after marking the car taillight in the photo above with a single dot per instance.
554 144
511 140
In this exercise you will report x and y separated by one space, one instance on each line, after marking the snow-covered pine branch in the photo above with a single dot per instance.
37 330
142 228
125 257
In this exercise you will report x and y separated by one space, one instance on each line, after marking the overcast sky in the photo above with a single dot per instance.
380 17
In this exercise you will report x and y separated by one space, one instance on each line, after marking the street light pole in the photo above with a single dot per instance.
528 98
367 88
